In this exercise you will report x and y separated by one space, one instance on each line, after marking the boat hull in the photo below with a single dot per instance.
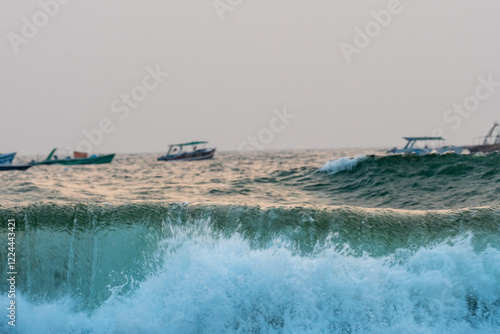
192 156
450 149
102 159
483 148
7 158
424 151
14 167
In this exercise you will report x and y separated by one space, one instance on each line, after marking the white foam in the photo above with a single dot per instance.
342 164
214 285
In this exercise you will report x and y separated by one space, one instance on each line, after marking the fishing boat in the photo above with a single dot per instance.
195 150
14 167
431 145
488 143
78 158
6 158
6 162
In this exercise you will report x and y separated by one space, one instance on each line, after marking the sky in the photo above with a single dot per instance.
134 76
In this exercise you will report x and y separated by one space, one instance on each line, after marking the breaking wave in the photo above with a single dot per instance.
187 268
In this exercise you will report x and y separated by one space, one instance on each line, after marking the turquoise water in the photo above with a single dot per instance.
276 242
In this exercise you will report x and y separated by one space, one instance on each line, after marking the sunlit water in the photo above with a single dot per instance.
228 178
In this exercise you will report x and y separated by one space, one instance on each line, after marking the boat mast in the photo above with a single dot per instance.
490 134
497 138
51 154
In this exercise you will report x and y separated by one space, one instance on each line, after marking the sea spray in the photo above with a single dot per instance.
208 283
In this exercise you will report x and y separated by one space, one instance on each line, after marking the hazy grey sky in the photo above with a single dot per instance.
66 67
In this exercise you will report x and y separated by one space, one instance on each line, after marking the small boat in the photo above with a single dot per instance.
6 158
14 167
188 152
488 143
79 158
6 162
413 148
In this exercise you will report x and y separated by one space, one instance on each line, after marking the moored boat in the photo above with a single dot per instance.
488 143
6 158
195 150
412 146
79 158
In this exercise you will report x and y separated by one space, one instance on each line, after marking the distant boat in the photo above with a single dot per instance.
489 143
79 158
14 167
188 152
6 158
412 147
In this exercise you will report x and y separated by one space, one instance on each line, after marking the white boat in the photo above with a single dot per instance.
431 145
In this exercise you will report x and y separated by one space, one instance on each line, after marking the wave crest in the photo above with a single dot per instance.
342 164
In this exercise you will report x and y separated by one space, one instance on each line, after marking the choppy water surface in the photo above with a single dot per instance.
229 178
274 242
271 178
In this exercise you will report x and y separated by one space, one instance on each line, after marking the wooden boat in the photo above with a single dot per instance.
489 143
79 158
7 158
14 167
188 152
412 147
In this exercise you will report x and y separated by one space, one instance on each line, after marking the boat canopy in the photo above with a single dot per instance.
423 138
413 140
191 143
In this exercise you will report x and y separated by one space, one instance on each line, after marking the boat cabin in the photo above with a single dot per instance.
178 149
429 142
195 150
430 145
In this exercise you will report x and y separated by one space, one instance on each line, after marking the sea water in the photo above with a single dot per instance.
345 241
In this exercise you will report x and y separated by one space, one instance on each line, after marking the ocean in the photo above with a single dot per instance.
311 241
